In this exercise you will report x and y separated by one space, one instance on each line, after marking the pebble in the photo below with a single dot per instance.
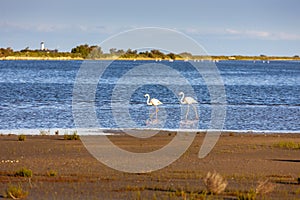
10 161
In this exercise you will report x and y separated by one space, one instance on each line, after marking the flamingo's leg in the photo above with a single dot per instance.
151 115
187 112
196 113
156 111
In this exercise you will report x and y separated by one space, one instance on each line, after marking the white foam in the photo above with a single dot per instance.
112 131
53 131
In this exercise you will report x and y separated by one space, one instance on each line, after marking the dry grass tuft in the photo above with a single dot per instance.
15 192
51 173
24 172
215 183
74 136
21 137
265 187
251 195
287 145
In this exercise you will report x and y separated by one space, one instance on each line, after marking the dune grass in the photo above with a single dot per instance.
74 136
15 192
287 145
24 172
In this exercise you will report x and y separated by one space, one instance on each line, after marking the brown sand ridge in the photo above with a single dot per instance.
242 159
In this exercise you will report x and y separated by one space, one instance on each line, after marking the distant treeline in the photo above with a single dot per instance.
95 52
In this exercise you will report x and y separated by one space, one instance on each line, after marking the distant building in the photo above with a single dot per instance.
42 46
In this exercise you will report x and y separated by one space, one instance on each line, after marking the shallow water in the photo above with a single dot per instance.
259 96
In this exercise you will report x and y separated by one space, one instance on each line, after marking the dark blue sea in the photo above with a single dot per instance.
259 96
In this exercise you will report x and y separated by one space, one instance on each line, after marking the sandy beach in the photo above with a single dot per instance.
242 159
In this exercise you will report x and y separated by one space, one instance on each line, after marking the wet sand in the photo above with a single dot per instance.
242 159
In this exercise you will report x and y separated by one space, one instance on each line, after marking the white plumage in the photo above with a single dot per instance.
189 101
153 102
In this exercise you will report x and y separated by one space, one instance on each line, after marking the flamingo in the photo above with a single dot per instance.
189 101
153 102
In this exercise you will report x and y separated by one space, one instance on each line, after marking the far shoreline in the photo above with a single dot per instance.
195 59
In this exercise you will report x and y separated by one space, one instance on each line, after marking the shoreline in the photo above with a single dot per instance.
115 131
196 59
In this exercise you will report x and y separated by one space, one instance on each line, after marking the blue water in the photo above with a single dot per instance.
259 96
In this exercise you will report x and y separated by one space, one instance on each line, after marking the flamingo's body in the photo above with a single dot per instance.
153 102
189 101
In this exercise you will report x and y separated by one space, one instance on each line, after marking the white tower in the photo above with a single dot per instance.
42 46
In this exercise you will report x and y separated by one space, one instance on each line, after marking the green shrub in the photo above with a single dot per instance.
74 136
247 196
15 192
21 137
288 145
51 173
24 173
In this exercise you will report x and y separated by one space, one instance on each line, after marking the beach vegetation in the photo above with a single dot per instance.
171 56
51 173
138 194
74 136
265 187
6 52
24 172
251 195
186 55
85 51
287 145
215 183
130 54
21 137
15 192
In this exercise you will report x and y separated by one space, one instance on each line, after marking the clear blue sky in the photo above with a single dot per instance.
230 27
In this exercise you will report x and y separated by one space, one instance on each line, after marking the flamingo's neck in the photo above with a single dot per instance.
148 100
182 98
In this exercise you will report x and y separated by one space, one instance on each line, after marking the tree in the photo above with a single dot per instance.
186 55
83 50
120 52
25 50
87 51
113 51
94 52
6 52
130 54
157 54
172 56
